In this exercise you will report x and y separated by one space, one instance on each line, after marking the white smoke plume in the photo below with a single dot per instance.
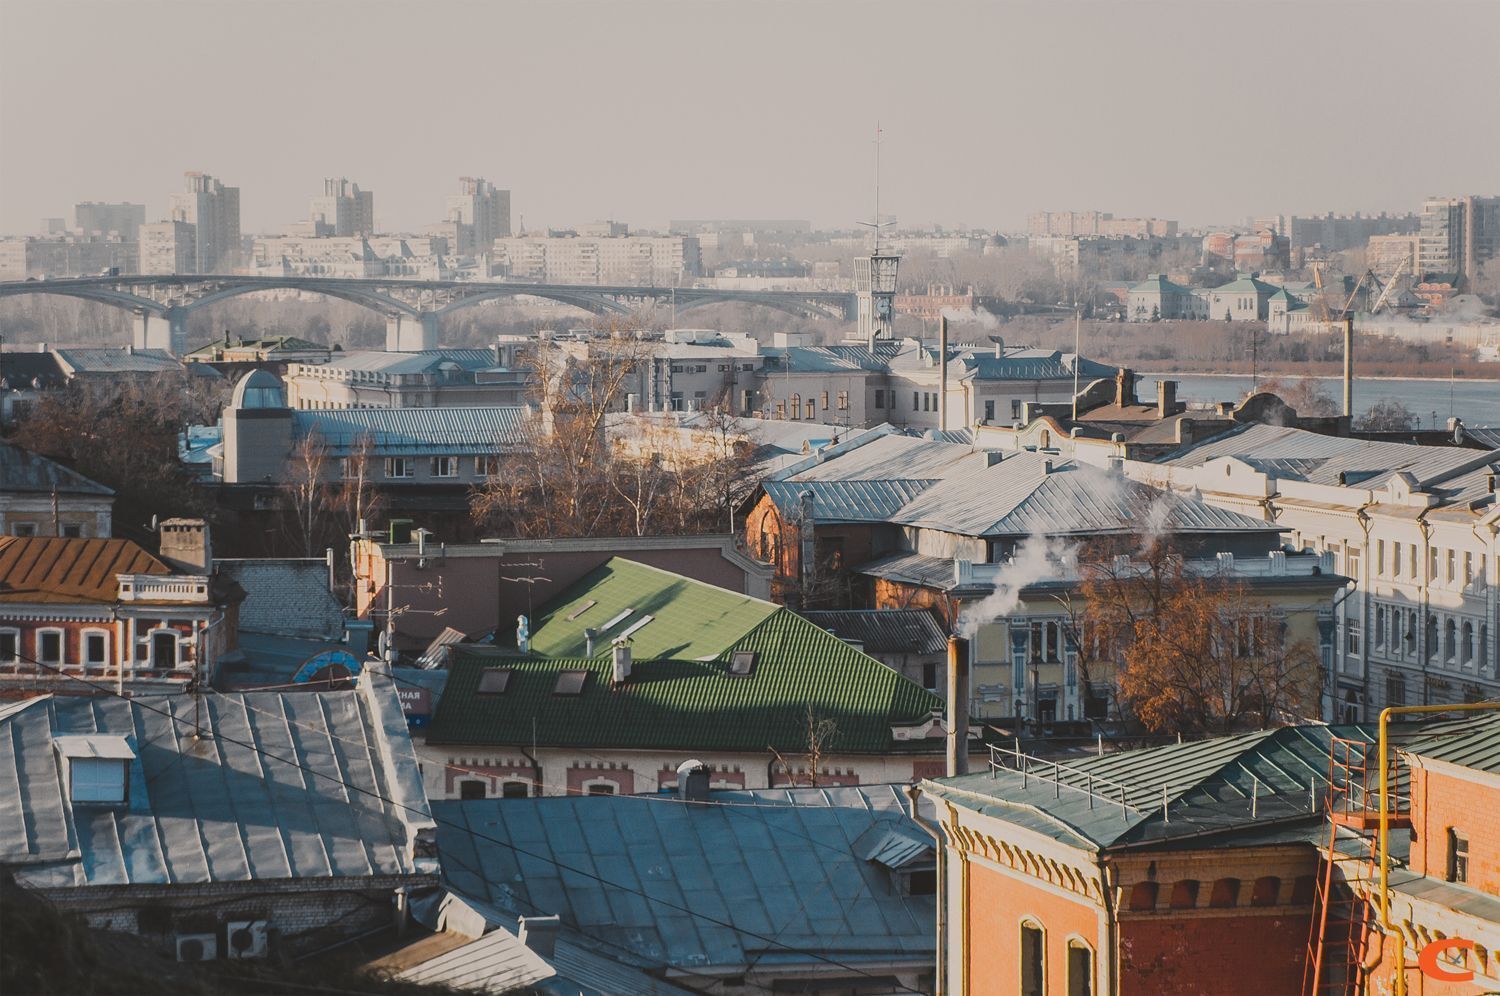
1037 558
978 316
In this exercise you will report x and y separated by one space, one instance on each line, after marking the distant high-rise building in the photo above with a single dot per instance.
168 247
97 216
214 212
54 226
1459 234
484 209
343 209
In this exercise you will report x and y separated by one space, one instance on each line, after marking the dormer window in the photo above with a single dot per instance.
98 767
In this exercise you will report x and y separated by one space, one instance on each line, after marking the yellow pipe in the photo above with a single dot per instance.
1385 809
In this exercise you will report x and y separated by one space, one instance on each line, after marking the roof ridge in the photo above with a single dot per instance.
681 577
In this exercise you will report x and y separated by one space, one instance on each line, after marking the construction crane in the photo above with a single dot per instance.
1390 284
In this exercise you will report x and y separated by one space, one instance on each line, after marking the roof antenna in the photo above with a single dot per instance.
876 225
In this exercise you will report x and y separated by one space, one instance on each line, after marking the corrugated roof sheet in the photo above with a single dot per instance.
779 864
69 570
912 568
1474 745
497 963
25 471
845 501
896 631
676 704
380 361
116 360
1028 494
1050 365
210 810
417 430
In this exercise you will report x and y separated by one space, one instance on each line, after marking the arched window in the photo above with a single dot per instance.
1265 891
1226 892
1450 641
1143 897
796 406
1466 647
1080 968
1185 894
1033 958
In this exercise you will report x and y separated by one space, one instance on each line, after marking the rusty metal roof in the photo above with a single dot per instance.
70 571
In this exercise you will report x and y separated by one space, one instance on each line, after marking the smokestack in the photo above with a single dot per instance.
942 373
1349 364
622 661
958 706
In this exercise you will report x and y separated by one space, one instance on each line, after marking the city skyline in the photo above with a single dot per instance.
966 140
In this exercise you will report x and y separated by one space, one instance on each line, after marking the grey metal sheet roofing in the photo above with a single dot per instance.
777 863
910 631
1319 459
808 359
1474 745
117 360
1033 365
417 430
894 456
1028 494
21 470
210 810
379 361
846 501
912 568
499 962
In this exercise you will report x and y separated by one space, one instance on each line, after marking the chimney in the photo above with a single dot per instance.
942 372
1166 398
632 402
807 534
958 706
539 933
1125 387
589 636
999 347
692 781
185 544
622 660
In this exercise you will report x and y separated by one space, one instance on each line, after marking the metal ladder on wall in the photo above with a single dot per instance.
1343 917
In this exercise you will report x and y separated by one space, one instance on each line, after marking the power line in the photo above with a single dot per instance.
772 941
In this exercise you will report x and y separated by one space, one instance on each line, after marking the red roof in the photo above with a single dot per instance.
71 571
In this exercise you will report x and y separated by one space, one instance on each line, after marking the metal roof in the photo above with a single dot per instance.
912 568
1048 365
896 631
117 360
245 802
895 457
1474 745
69 570
497 963
845 501
1028 494
25 471
684 704
409 430
775 863
380 361
1298 454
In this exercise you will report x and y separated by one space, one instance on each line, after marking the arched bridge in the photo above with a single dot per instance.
413 309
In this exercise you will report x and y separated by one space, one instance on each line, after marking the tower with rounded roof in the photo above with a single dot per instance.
257 430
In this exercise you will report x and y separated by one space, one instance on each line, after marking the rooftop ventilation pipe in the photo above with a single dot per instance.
958 706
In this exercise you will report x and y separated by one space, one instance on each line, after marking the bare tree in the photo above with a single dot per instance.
821 734
307 492
1388 415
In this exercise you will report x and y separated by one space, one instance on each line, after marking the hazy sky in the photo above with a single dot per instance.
1204 111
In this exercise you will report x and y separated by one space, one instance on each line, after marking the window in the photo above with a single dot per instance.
10 645
1265 890
812 410
916 400
1380 558
1015 408
742 663
487 466
95 648
1395 690
23 529
1380 627
825 401
471 788
96 779
1458 856
843 399
989 411
796 406
929 676
1033 959
445 466
72 530
879 398
1452 566
1413 561
1353 563
601 788
163 649
1080 969
49 646
396 467
781 410
494 681
515 790
1351 636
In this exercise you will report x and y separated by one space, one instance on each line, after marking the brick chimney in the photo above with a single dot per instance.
1166 398
186 546
1125 387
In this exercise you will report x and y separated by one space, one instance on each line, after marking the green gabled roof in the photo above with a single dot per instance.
692 620
689 705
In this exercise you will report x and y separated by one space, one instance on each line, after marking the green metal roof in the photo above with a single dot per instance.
691 620
1472 743
684 704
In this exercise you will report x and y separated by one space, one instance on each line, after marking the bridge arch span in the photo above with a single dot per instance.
801 309
99 295
599 304
379 303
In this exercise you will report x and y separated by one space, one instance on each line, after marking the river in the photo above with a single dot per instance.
1477 402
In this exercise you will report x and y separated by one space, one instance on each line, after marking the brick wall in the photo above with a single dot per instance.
1440 801
1219 951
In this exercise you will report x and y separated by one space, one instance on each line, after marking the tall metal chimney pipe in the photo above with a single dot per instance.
1349 364
958 706
942 373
